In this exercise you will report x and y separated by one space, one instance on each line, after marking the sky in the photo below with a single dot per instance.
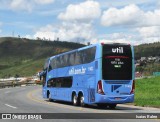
120 21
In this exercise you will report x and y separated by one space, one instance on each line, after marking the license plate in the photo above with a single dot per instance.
117 98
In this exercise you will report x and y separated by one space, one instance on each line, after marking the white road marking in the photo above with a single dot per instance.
7 92
11 106
4 88
23 88
17 87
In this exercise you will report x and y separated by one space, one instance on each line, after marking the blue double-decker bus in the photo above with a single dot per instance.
101 74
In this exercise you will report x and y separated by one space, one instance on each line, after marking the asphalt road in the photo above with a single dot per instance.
28 99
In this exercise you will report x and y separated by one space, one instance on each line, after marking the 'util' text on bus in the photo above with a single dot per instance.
117 50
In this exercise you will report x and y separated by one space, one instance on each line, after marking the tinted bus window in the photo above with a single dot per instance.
53 63
65 60
78 58
73 58
46 64
58 63
117 62
88 55
61 82
66 82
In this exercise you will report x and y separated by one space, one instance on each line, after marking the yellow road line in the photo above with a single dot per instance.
30 96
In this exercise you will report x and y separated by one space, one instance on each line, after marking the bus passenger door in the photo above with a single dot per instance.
44 84
44 75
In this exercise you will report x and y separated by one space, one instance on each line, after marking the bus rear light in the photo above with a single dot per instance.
133 87
100 87
102 43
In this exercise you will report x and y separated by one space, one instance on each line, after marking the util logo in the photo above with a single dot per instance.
117 50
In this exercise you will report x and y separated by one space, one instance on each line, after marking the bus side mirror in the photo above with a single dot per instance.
49 68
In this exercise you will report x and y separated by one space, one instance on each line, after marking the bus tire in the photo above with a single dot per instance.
49 96
75 100
112 106
81 101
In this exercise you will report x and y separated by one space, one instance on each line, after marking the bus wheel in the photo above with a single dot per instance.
82 104
49 98
75 100
112 106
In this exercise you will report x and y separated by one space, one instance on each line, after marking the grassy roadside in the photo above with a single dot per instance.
28 68
147 92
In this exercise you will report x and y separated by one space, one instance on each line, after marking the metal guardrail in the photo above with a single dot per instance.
4 84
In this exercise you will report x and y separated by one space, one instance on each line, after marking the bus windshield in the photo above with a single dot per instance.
116 62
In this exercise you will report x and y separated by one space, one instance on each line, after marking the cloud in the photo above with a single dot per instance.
149 34
145 24
81 12
117 38
28 36
136 36
44 1
66 32
76 23
130 15
151 18
127 15
146 32
118 3
21 5
25 5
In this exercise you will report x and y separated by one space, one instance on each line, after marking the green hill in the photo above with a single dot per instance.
25 57
147 67
146 50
